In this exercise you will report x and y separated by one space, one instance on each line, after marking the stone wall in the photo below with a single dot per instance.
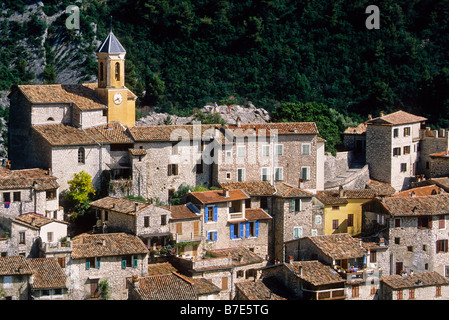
379 152
338 164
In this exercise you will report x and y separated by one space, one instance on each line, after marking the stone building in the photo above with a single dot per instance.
147 221
15 274
415 229
185 227
113 257
392 148
418 286
294 217
434 145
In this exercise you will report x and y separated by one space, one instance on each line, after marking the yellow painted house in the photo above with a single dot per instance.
343 209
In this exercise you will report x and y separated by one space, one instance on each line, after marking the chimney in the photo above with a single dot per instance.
136 207
226 192
33 221
300 271
341 192
135 280
49 172
8 164
238 122
370 117
381 242
382 113
114 205
104 242
440 191
290 259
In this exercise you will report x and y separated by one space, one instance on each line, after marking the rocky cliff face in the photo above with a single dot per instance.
247 114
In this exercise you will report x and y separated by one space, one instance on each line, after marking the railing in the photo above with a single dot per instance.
235 215
56 246
189 236
362 275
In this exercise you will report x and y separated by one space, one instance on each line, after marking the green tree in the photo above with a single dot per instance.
80 192
328 127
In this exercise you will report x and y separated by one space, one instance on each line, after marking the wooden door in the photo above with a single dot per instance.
196 229
399 267
94 288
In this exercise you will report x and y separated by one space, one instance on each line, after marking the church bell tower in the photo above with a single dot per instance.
111 82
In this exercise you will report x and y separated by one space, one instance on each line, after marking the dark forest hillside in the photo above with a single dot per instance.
182 54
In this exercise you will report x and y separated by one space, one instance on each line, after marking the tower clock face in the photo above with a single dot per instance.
118 98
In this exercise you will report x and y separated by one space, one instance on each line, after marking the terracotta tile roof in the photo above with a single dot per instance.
35 220
425 205
381 188
252 188
25 178
137 152
256 214
165 287
257 290
204 287
11 265
161 268
82 95
397 118
338 246
444 155
419 191
120 205
240 255
59 134
424 279
360 129
442 182
169 132
115 244
215 196
315 273
331 197
47 273
182 211
278 127
287 191
112 132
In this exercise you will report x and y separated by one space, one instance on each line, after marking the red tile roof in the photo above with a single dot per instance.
277 127
47 273
424 279
338 246
315 273
14 265
397 118
360 129
256 214
182 211
252 188
381 188
331 197
419 192
288 191
256 290
215 196
121 205
412 206
35 220
25 178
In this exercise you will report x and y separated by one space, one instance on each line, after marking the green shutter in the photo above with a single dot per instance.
87 265
123 263
134 262
98 263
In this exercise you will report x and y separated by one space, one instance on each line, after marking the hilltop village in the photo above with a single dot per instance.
280 219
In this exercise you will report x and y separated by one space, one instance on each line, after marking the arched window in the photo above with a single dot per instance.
51 119
117 71
81 155
101 72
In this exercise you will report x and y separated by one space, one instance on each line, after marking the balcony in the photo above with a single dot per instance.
188 236
361 275
235 215
327 294
56 247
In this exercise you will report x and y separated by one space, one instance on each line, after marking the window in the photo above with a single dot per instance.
441 246
314 232
264 202
397 240
297 232
403 167
236 230
410 248
7 282
172 170
106 216
335 224
335 207
446 271
350 220
129 261
406 131
278 174
212 236
295 205
396 133
305 149
6 197
228 176
117 71
427 165
241 151
373 256
49 236
399 295
16 196
397 223
318 219
265 151
179 228
210 214
442 222
240 174
163 220
265 173
305 173
279 150
199 166
61 262
252 229
22 237
50 194
424 247
424 222
81 155
90 263
396 151
101 72
146 222
406 149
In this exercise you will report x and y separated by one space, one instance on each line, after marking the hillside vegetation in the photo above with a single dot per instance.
183 54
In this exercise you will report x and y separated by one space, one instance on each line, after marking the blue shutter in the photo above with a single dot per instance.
215 235
123 263
257 228
242 226
87 265
215 213
247 229
134 262
206 214
98 263
232 231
